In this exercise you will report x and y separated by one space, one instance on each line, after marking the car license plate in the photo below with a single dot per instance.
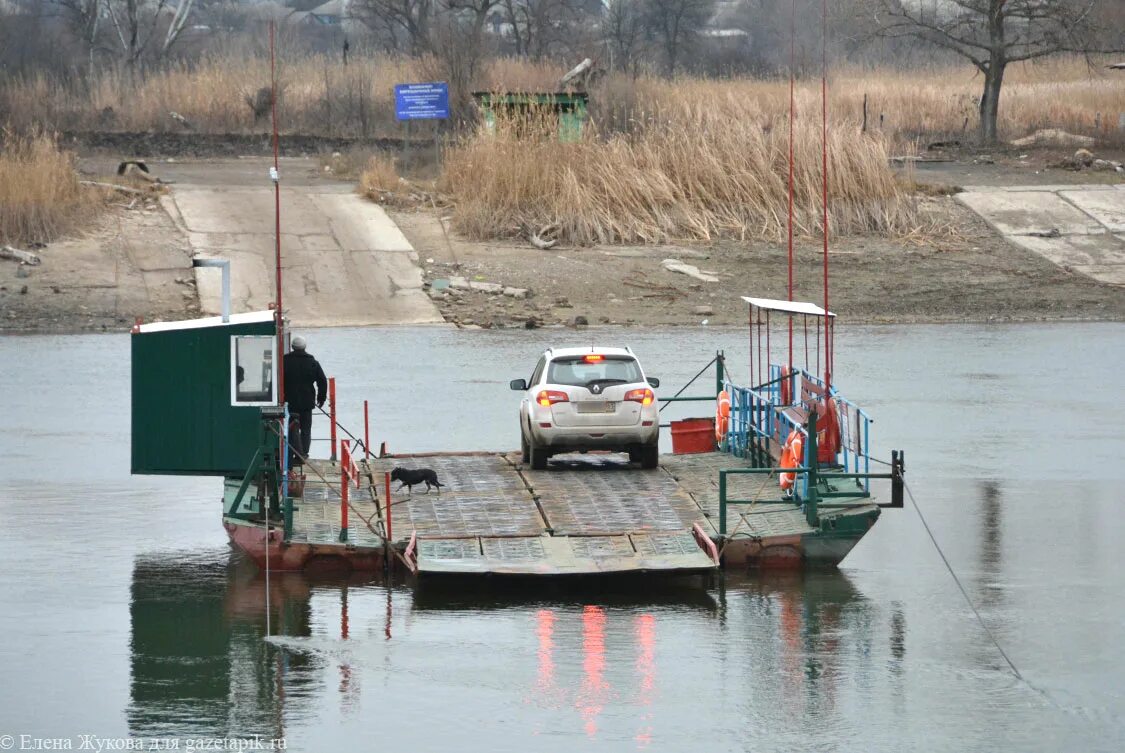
595 406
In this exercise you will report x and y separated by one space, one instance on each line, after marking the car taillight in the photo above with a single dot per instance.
593 359
642 396
550 397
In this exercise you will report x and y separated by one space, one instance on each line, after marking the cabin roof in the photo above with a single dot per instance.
250 317
789 307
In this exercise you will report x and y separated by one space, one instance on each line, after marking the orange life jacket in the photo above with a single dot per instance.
827 431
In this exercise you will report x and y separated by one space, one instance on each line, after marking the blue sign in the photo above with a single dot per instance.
422 101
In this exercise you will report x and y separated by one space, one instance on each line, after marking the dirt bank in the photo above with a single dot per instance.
136 262
133 262
970 274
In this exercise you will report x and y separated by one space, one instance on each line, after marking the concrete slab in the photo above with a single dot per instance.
1112 274
1023 213
1048 187
1076 249
345 262
359 225
1107 207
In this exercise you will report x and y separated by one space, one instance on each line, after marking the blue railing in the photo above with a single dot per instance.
755 418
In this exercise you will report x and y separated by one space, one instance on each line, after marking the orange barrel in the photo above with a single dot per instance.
692 435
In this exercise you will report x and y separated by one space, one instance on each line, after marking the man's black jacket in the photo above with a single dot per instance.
305 383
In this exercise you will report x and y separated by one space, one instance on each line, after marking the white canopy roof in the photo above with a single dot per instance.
252 317
789 307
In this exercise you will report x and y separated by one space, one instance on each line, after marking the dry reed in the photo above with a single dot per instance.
694 174
321 96
380 179
40 197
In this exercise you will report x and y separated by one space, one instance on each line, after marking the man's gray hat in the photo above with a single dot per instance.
298 342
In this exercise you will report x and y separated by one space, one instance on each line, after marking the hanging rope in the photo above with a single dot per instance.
964 593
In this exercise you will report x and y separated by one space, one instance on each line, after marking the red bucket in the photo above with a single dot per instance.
692 435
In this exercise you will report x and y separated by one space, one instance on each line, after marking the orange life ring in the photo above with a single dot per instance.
785 385
722 415
792 455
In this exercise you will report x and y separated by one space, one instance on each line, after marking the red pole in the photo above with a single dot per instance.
387 481
792 117
277 223
332 412
366 431
345 461
824 158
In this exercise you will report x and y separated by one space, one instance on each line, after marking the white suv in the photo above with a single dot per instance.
581 399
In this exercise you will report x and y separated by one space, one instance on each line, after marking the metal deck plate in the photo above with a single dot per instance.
562 555
482 496
316 514
600 494
698 474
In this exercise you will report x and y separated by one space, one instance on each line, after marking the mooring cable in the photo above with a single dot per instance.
965 593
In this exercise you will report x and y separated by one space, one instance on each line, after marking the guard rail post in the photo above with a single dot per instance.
366 432
332 413
345 461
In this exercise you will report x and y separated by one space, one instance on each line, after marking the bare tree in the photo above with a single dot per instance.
84 19
992 34
675 24
539 28
138 23
410 20
625 34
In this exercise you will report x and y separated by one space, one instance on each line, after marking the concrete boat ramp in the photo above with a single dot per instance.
345 261
585 515
1080 227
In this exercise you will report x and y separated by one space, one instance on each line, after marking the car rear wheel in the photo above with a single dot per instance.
525 449
537 456
650 456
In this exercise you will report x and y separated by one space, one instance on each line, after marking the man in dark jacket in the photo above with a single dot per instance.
305 386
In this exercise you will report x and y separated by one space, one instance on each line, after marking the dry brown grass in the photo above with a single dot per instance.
321 96
40 197
380 179
699 174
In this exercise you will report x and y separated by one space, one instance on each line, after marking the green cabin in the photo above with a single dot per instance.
198 387
570 108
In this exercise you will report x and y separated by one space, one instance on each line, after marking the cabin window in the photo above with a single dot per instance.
253 379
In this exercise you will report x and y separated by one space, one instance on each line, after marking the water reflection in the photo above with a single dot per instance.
200 665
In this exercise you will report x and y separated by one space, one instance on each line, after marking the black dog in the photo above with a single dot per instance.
408 477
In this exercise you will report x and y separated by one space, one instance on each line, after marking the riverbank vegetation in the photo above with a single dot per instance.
40 195
322 96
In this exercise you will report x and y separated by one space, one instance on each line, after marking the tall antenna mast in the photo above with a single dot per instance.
276 177
824 178
792 117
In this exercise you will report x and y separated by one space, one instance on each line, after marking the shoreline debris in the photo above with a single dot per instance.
23 257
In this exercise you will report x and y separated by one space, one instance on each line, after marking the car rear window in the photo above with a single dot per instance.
576 372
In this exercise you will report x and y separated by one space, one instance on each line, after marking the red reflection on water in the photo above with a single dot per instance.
644 626
345 669
592 695
545 631
791 652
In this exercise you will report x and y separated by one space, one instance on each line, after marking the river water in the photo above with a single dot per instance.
123 611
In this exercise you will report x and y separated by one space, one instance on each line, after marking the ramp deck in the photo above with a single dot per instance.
586 514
